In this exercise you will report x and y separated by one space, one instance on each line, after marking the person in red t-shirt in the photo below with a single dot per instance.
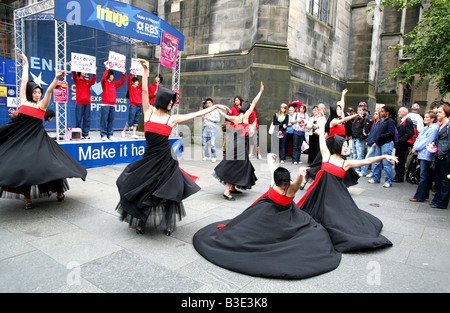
134 111
109 103
83 101
153 88
234 112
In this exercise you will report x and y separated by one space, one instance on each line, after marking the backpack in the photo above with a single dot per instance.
413 139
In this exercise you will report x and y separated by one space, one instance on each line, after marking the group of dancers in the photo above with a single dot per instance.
274 237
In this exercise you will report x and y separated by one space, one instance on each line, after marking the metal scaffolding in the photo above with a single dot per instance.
44 10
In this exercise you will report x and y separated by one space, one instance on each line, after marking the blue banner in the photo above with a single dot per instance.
117 18
8 102
40 50
95 154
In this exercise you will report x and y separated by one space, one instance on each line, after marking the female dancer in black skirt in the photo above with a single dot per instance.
31 163
152 189
272 237
329 202
236 170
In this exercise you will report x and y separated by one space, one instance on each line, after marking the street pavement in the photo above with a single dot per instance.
80 246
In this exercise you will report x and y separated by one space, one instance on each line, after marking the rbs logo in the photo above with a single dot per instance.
147 28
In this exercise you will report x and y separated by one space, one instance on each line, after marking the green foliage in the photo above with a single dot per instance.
429 50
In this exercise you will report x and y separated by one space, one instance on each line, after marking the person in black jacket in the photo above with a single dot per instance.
360 132
280 121
384 143
405 132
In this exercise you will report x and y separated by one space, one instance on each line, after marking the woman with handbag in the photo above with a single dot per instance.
299 125
425 155
442 159
280 121
313 138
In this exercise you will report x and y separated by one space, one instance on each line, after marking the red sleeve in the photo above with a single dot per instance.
74 78
92 80
105 73
121 81
129 80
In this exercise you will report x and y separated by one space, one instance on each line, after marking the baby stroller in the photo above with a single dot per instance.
413 171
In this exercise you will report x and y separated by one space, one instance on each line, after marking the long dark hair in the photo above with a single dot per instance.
333 115
240 99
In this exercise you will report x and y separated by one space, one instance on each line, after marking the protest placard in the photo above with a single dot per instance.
117 61
136 67
83 63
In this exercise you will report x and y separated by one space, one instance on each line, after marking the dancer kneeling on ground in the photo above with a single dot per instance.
329 202
272 237
152 189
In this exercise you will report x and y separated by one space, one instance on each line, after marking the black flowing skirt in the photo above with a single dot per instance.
269 240
329 202
30 159
152 188
236 168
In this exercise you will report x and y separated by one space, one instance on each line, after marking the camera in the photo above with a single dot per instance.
204 106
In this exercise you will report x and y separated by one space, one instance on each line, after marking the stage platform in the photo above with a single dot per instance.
95 152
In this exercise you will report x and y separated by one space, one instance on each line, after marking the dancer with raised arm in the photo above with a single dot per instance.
236 170
152 189
329 202
32 164
272 237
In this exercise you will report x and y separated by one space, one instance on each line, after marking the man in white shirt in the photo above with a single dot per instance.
209 131
415 117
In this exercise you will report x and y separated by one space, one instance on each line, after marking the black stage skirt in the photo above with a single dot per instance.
330 204
236 168
31 162
152 188
269 240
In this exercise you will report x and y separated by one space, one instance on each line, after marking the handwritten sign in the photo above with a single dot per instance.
83 63
136 67
117 61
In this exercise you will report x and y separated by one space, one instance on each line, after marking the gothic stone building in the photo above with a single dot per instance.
306 50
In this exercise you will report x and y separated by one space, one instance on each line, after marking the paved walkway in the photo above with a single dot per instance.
79 245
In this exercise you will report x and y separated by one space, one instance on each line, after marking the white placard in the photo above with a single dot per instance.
83 63
117 61
136 67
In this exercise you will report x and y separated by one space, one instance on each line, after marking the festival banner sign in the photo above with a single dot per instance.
60 92
116 17
95 154
169 50
83 63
